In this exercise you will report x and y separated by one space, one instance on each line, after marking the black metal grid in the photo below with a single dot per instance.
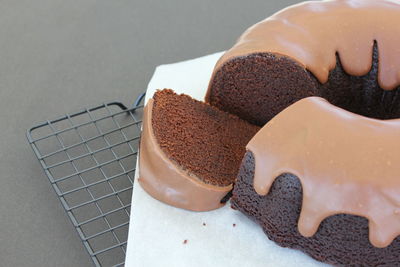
90 160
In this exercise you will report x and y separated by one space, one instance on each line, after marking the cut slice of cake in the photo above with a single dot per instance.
190 152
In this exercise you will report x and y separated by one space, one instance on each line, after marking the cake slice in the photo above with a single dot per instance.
190 152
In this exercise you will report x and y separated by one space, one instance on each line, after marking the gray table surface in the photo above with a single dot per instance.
59 56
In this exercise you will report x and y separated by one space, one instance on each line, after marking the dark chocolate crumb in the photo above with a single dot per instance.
185 241
183 125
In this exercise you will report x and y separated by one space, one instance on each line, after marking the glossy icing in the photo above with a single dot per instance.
346 163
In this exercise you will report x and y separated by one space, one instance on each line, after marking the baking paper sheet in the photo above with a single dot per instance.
158 232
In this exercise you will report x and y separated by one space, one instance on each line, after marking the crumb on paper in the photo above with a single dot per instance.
185 241
234 225
204 224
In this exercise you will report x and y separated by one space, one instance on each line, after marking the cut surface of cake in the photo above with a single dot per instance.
190 151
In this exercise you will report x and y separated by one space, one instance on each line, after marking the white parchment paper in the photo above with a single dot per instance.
157 232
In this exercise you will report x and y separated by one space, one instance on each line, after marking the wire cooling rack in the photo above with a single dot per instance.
90 160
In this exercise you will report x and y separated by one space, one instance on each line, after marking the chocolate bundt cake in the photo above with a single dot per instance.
321 176
347 52
190 152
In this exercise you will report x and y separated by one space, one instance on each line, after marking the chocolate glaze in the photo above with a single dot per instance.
165 181
311 33
346 163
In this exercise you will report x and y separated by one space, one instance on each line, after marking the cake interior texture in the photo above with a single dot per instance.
341 240
258 86
202 140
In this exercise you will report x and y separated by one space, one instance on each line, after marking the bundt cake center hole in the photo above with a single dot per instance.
361 94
